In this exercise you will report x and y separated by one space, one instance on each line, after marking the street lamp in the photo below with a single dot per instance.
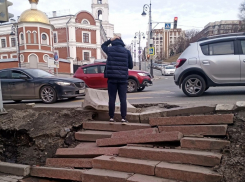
139 35
146 8
15 32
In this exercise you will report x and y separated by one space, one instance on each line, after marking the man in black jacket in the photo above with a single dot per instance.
119 60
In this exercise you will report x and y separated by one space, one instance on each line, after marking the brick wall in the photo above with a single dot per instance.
8 65
64 67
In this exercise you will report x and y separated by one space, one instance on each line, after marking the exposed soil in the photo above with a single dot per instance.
233 162
29 136
149 106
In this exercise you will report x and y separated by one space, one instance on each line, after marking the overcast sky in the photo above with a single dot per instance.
126 14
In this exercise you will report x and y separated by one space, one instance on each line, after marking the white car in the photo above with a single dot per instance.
168 70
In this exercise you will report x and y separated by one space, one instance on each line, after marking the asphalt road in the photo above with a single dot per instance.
164 90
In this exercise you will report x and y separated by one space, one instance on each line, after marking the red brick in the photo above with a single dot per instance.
92 136
144 178
69 162
186 173
89 152
101 175
57 173
132 133
203 143
172 155
150 138
192 120
197 130
146 167
106 126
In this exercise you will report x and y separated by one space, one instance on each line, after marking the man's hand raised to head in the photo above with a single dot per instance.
114 38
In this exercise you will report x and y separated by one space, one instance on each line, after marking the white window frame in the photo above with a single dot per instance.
44 59
55 32
4 55
20 41
42 39
22 55
85 20
28 32
36 38
87 51
5 42
89 33
10 42
11 55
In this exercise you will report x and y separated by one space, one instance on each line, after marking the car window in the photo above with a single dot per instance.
102 68
205 49
243 46
221 48
17 74
4 75
91 70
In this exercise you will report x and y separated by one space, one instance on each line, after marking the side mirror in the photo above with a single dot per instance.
24 77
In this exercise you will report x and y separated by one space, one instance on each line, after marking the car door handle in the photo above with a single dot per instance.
205 62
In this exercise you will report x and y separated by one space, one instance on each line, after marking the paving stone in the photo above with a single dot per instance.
92 136
225 107
192 120
240 105
83 152
101 175
144 178
104 116
57 173
15 169
69 162
122 164
186 173
86 145
106 126
203 143
149 138
172 155
197 130
132 133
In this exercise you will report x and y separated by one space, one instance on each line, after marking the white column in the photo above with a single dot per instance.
71 65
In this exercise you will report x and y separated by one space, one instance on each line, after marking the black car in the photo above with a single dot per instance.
26 84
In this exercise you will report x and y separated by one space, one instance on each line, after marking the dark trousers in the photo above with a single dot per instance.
121 88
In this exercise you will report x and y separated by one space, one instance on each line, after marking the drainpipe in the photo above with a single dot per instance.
67 38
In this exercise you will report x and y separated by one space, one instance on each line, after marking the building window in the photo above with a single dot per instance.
13 42
86 56
99 1
85 38
35 37
22 58
55 38
5 56
29 37
45 39
45 58
21 38
85 22
3 43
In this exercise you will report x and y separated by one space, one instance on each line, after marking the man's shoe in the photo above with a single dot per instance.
112 121
124 121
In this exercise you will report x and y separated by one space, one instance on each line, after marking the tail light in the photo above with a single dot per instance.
180 62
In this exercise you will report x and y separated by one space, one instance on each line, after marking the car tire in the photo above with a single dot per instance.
132 86
141 89
48 95
193 85
17 101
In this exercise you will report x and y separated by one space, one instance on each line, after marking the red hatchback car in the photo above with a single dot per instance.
93 76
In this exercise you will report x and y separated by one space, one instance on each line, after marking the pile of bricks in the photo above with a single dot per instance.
170 149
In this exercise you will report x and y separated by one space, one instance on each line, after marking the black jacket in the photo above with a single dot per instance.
119 60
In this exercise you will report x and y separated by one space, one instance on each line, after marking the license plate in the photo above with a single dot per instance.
81 91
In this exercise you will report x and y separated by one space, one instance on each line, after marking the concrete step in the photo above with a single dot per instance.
101 175
92 136
145 178
86 145
122 164
69 162
57 173
122 134
149 138
197 130
86 152
106 126
172 155
192 120
186 173
203 143
15 169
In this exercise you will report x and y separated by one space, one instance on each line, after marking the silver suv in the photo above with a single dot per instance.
211 62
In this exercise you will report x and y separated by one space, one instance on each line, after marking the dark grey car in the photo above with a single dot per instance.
26 84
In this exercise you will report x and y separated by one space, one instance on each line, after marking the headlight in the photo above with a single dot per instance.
63 83
142 74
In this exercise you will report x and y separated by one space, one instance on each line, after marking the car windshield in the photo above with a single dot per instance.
38 73
169 67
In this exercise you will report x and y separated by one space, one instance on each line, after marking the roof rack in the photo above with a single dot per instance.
221 35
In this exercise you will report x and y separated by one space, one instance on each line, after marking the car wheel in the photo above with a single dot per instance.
132 86
193 85
17 101
48 95
141 89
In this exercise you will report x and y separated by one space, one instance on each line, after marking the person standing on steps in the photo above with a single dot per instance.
119 60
